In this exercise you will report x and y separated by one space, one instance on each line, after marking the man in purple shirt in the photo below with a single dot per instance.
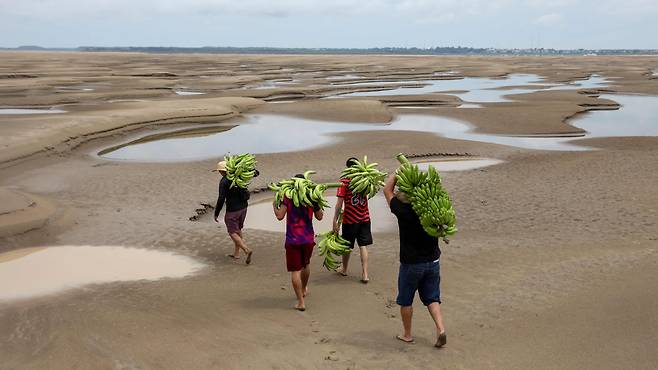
300 240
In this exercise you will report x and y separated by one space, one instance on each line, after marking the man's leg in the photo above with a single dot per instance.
306 273
407 285
407 313
346 260
430 293
240 244
364 264
435 312
297 285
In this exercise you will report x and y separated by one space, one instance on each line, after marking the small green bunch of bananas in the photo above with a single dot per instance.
302 191
332 244
240 169
428 198
364 178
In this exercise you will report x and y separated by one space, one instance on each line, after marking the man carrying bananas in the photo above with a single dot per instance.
300 240
356 222
236 199
419 264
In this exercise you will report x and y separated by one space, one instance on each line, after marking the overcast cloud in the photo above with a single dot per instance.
331 23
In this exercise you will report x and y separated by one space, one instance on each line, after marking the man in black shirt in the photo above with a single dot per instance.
419 265
236 211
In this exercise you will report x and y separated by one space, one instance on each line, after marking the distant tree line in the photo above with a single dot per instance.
444 50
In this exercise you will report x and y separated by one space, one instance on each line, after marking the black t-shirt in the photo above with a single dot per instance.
416 246
236 197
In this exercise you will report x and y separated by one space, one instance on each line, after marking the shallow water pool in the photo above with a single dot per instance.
33 272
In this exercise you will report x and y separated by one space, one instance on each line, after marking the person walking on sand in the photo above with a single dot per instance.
300 240
356 223
419 265
236 199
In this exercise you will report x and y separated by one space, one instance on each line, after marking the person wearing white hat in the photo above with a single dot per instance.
236 199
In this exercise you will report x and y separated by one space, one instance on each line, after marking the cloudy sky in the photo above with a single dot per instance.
331 23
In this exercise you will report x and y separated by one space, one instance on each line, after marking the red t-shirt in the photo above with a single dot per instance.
356 205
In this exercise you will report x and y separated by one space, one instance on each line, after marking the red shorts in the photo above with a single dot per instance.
298 256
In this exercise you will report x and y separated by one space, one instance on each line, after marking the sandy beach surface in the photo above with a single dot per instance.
554 266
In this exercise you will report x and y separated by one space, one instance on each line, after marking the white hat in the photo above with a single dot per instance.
221 166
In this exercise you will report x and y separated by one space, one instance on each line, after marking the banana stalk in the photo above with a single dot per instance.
428 198
302 191
331 244
364 177
240 169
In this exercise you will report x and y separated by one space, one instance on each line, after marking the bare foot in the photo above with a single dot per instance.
299 307
441 341
365 280
233 256
248 260
408 340
341 272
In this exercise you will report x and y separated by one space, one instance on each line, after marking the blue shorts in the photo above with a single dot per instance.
422 277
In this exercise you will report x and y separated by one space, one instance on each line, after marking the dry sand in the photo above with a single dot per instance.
554 266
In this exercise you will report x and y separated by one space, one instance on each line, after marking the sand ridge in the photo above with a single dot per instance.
556 250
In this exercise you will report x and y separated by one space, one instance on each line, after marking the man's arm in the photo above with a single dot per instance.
221 198
389 188
280 212
337 211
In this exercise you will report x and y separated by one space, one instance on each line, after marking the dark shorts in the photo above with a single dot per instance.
235 220
423 277
359 233
298 256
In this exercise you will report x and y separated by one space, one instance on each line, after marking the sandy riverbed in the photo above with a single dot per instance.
553 268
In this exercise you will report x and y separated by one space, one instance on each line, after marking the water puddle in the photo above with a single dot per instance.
185 93
593 82
260 216
638 116
469 106
30 111
32 272
343 77
273 134
458 164
477 90
73 88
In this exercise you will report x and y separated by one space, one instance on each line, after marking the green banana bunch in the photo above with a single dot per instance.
302 191
240 169
428 198
332 244
365 178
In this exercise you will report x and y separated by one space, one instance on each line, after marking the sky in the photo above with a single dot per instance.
560 24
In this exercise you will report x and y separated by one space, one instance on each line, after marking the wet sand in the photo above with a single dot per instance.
553 267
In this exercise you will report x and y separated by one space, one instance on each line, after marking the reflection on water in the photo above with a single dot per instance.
185 93
638 116
479 90
458 164
275 134
35 272
30 111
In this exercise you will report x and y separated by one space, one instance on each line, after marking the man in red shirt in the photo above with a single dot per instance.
356 223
